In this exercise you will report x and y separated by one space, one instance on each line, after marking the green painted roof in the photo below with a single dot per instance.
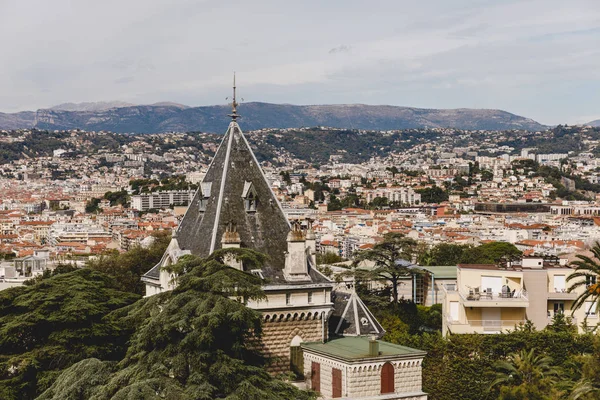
357 348
442 271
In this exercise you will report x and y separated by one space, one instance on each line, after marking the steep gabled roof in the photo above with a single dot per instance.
351 317
233 176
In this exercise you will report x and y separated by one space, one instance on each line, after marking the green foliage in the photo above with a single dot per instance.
434 194
462 366
174 182
385 257
127 268
191 343
525 374
489 253
47 326
443 254
587 274
118 198
334 203
328 258
454 254
92 206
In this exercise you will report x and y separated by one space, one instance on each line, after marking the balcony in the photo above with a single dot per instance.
483 299
561 294
482 326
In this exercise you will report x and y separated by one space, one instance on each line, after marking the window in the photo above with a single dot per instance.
288 299
297 361
310 297
559 307
387 378
559 283
250 197
590 280
590 308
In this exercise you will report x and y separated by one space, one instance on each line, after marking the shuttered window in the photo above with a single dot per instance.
315 376
387 378
336 383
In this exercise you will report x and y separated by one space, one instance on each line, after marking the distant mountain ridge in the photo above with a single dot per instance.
595 123
166 117
93 106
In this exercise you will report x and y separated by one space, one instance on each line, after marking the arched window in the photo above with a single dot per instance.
387 378
297 357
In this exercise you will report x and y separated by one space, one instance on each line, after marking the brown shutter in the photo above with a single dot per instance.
336 382
387 378
315 376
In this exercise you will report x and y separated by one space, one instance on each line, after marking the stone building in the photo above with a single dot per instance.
235 207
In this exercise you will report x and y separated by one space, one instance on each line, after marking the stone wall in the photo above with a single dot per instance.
279 333
365 380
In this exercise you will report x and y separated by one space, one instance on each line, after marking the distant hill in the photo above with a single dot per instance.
95 106
165 117
595 123
24 119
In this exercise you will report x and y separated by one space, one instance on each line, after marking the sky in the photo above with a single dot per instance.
536 58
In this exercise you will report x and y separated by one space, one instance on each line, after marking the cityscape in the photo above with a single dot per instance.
303 245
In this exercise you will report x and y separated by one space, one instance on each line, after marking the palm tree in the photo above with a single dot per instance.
585 389
392 259
588 269
526 370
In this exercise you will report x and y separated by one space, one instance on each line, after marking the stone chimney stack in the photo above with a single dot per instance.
231 239
296 262
311 244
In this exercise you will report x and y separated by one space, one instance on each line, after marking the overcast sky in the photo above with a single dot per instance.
538 58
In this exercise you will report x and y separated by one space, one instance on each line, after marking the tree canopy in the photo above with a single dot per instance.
127 268
194 342
53 323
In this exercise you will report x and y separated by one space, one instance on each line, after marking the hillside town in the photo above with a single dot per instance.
73 203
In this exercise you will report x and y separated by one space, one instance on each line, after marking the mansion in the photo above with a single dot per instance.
328 338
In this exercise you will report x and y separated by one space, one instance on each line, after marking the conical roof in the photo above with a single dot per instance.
235 191
351 317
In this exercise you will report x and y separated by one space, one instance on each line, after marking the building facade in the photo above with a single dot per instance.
490 298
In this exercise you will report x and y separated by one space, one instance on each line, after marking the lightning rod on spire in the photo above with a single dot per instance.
234 115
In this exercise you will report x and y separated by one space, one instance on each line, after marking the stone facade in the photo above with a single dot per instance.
364 379
278 335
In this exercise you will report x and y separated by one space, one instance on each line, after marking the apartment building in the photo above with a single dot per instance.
489 298
162 199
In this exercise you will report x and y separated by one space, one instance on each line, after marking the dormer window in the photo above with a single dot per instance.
250 197
204 195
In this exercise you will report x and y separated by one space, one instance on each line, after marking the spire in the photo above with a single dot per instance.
234 115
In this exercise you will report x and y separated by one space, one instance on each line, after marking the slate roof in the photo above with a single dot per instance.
351 317
233 174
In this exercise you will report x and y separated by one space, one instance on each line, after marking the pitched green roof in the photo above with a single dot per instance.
357 349
442 271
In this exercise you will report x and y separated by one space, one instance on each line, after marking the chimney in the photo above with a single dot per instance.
311 244
231 239
296 268
373 347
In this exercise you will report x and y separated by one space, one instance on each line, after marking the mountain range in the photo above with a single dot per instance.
166 117
595 123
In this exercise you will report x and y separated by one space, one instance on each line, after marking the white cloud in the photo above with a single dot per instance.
537 58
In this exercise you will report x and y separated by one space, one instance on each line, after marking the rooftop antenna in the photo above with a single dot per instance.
234 115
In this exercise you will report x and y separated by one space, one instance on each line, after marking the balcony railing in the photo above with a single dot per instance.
482 326
490 296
